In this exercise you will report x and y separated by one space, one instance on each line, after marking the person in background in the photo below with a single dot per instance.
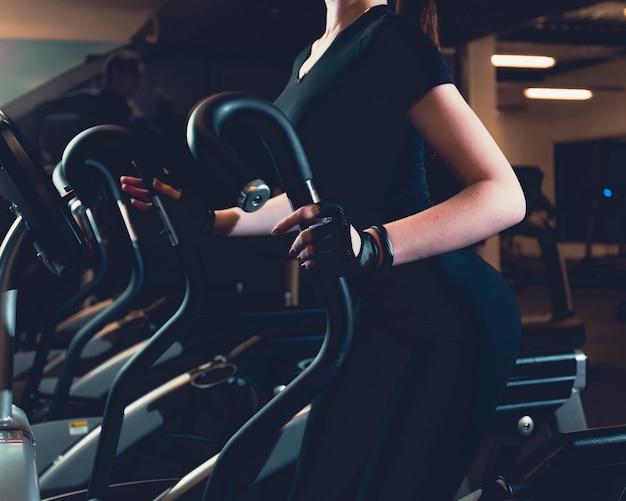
437 328
112 103
56 121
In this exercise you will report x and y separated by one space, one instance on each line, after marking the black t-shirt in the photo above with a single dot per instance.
350 113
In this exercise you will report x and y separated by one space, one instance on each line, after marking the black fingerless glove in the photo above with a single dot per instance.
196 220
333 245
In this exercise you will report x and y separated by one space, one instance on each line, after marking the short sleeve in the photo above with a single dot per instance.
401 59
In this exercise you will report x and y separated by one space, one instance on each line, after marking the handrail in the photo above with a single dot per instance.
124 388
206 123
119 306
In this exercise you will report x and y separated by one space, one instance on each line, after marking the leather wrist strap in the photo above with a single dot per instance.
386 248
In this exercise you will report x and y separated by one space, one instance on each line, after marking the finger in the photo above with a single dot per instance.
135 192
142 206
306 254
308 265
304 238
307 257
133 181
166 189
306 213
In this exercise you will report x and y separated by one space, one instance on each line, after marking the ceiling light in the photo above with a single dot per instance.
556 93
521 61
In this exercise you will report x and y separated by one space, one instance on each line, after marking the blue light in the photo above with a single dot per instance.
607 192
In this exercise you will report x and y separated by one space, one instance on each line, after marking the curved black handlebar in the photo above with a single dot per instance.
79 154
207 121
31 396
204 136
120 305
111 143
101 142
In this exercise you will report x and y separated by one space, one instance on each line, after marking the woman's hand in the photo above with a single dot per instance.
331 243
309 247
140 197
194 219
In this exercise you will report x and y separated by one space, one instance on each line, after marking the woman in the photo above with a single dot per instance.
437 329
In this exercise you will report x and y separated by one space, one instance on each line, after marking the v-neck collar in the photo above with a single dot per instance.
366 14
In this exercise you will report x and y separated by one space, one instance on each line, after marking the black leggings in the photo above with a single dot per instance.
407 415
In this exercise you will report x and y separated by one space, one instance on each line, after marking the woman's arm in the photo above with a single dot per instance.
228 222
235 222
491 199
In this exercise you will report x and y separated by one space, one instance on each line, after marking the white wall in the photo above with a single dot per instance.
529 129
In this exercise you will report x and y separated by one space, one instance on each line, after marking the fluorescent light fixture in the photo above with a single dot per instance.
556 93
521 61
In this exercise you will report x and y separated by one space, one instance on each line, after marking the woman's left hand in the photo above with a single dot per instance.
330 243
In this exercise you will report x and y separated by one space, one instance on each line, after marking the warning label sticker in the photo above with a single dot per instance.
78 427
11 437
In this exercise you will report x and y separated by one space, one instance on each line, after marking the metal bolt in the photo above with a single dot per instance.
526 425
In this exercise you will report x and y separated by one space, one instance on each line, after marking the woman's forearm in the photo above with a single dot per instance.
234 222
492 198
476 213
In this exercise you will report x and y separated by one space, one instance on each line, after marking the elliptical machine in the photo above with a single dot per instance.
267 423
46 225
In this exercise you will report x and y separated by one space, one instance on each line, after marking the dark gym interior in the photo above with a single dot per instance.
566 262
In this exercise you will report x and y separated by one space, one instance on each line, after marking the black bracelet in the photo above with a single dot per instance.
385 246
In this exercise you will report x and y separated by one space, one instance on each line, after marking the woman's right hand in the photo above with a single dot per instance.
193 218
140 196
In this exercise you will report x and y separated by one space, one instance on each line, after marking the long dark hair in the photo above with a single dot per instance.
423 12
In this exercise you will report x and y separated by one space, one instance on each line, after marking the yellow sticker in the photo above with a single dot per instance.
78 427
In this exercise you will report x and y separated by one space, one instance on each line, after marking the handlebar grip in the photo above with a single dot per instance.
207 145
